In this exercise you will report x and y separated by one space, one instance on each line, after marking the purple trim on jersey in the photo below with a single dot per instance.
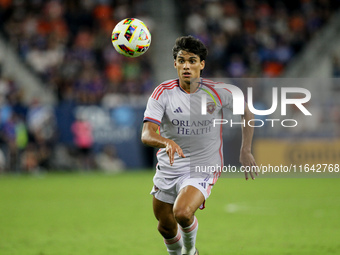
180 87
152 120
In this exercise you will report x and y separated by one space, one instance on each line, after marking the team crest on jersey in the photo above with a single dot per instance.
211 107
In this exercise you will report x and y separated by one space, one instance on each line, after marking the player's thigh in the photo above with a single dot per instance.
188 201
163 212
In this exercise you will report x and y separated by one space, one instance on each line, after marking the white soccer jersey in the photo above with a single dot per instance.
178 114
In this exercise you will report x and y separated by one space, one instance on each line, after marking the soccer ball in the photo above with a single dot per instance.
131 37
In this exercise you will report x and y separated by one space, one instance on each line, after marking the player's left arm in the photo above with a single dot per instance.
246 156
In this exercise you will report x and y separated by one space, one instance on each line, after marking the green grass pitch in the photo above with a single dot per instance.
77 214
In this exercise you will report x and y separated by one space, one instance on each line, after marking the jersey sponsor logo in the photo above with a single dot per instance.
178 110
211 107
195 127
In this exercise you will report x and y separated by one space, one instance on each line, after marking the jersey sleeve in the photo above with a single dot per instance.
154 111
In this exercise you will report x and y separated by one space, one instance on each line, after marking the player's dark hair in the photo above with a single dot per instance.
190 44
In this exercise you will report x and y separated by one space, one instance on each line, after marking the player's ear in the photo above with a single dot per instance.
175 65
202 64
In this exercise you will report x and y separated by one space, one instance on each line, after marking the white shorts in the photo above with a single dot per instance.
167 189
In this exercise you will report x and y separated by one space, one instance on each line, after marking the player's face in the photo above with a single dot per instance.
188 67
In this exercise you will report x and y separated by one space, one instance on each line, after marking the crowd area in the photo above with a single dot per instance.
254 38
68 45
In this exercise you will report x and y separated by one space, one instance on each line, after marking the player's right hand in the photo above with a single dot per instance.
171 148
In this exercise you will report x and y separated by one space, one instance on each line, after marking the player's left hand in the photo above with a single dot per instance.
247 160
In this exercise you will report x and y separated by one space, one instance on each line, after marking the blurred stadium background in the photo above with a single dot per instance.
61 80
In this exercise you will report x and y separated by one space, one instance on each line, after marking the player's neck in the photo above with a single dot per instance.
190 87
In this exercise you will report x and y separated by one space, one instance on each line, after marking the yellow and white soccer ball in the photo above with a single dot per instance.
131 37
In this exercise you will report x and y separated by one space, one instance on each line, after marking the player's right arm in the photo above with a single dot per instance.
152 138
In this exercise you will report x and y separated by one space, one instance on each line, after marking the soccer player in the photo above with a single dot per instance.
187 139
